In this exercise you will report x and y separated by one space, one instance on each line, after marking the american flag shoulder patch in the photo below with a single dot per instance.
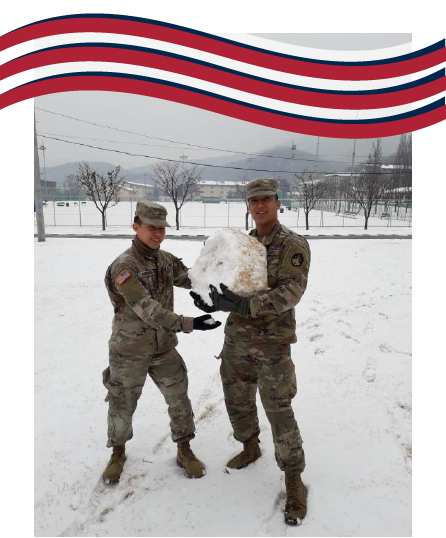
122 277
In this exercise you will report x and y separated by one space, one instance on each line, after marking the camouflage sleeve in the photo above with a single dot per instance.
127 284
294 265
180 274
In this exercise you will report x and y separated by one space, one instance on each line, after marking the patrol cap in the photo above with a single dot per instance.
264 186
152 214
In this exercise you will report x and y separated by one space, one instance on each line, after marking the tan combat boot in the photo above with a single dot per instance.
187 459
296 499
250 453
113 471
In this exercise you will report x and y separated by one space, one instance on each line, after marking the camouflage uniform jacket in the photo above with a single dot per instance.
140 285
272 317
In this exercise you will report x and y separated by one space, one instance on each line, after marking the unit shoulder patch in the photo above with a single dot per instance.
297 259
122 277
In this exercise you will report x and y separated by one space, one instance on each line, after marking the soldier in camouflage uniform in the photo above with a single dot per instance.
140 285
256 352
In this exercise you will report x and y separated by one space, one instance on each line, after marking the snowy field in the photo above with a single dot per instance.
199 215
353 365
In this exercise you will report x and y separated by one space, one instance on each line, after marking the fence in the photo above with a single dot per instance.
231 214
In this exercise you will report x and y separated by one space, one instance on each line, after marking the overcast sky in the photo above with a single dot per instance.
167 120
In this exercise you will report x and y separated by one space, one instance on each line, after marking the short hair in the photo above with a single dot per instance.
137 221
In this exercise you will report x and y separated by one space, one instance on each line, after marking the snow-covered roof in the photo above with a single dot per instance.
344 174
220 183
139 184
388 166
400 189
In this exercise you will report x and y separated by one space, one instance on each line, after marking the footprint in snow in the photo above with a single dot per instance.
159 447
369 373
315 337
349 337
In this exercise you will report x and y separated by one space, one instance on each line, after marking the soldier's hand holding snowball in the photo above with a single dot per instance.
205 323
228 301
199 303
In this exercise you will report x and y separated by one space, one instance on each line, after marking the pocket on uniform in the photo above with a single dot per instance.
113 390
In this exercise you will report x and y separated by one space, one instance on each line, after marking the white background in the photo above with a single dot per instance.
426 24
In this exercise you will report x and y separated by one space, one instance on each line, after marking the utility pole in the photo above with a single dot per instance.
38 191
249 160
351 173
353 164
43 148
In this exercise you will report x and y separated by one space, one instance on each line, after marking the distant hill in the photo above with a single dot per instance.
274 162
334 156
332 148
60 172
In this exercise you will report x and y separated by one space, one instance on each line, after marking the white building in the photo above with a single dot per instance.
217 189
135 192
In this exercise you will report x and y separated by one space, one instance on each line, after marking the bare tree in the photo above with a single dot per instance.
240 190
104 190
402 171
371 183
311 188
71 184
178 181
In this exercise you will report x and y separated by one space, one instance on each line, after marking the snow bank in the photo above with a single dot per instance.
233 258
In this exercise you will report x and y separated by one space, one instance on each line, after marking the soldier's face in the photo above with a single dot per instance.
151 236
264 210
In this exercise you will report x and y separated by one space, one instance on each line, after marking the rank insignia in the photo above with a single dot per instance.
297 260
122 277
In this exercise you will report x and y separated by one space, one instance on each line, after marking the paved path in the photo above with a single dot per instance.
204 237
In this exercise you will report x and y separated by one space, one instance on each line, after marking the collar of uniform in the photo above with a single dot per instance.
267 240
143 250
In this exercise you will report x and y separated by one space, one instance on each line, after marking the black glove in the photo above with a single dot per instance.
228 301
199 303
201 325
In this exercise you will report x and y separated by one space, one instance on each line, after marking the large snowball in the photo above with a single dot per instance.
234 259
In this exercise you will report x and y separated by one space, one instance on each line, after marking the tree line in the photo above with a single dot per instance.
180 182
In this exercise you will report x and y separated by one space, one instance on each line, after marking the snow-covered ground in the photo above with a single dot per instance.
353 364
185 231
196 215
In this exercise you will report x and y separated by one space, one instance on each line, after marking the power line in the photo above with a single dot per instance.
112 141
188 144
192 162
174 147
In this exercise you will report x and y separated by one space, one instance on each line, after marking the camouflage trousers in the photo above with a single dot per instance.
246 366
124 379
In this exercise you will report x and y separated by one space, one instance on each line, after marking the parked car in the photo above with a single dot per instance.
60 203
